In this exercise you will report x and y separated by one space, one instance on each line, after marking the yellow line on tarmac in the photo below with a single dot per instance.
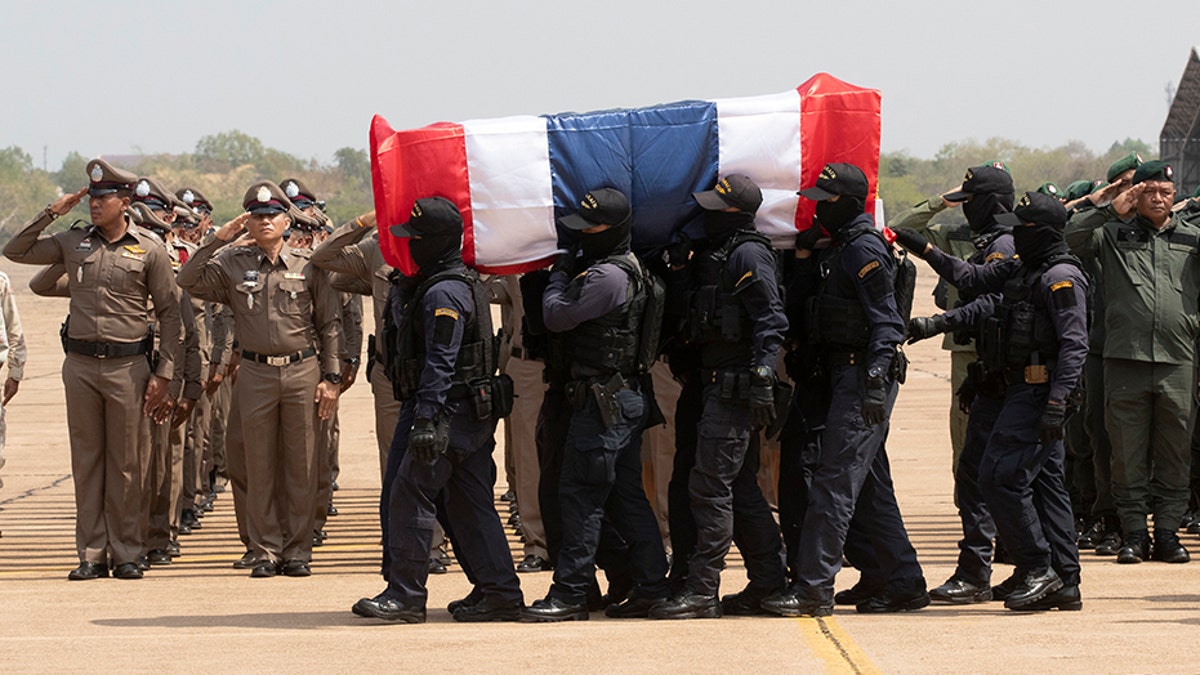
833 645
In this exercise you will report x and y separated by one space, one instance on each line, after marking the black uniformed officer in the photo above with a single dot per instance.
859 328
444 436
1037 336
738 318
599 312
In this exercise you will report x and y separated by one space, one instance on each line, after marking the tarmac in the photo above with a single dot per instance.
200 615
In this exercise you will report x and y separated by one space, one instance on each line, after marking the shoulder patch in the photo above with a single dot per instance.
997 255
749 274
446 311
866 269
1061 285
1063 294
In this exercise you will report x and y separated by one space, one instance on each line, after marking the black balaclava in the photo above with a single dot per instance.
434 252
719 225
1034 244
835 215
614 240
983 207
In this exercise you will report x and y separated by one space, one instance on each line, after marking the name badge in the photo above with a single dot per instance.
85 245
294 276
133 256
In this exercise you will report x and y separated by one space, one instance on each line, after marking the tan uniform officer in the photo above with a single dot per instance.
113 268
287 321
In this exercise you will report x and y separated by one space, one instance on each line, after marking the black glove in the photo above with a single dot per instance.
807 240
922 327
912 240
762 396
875 398
1052 422
565 262
422 441
678 252
966 394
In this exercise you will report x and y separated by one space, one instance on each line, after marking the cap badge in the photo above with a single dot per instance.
1138 157
1052 189
999 165
828 173
970 175
589 202
416 212
1024 200
143 189
188 197
97 174
723 187
1168 172
291 189
263 195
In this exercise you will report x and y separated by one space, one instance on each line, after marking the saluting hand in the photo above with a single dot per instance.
233 228
1126 202
326 399
63 205
367 219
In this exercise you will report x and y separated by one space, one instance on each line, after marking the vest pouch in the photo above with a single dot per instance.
503 394
480 399
731 318
1021 340
734 385
408 378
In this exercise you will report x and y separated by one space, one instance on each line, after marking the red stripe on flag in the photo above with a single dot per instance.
839 122
413 164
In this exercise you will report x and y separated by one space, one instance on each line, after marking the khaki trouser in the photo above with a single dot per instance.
196 435
165 484
214 453
105 422
326 440
235 465
658 449
279 430
519 433
387 411
958 419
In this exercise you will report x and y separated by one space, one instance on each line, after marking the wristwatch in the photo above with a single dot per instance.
332 378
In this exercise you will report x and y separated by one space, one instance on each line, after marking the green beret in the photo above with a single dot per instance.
1050 189
1078 189
1155 169
1130 161
999 165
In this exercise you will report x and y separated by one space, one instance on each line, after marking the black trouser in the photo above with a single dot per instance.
466 477
1022 481
723 483
602 476
975 547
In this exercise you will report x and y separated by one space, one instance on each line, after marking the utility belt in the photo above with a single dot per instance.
604 390
897 368
107 350
732 385
280 360
488 398
1034 373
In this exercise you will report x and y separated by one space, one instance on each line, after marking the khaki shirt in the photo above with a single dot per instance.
109 282
1151 282
279 307
350 251
13 334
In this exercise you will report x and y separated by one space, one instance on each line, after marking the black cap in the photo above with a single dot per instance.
1155 169
986 179
606 206
434 216
1038 208
734 190
838 179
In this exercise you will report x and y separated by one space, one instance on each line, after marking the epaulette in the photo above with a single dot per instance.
149 234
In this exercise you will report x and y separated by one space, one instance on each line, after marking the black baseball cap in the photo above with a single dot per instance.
433 216
1038 208
735 190
838 179
605 206
986 179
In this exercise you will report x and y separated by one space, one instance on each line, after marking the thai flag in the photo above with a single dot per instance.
513 177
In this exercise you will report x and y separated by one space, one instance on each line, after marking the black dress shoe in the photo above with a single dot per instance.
88 571
634 607
1110 543
128 571
388 609
793 603
859 592
554 609
158 557
442 555
895 600
334 486
1168 549
688 605
436 566
959 591
264 570
247 561
173 549
143 563
489 609
1002 590
319 537
296 568
1034 586
1065 599
746 602
331 510
185 528
475 596
1091 535
534 563
1136 549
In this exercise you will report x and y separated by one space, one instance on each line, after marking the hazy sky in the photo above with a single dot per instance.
120 76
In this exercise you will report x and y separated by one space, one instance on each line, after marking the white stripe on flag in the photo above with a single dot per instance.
512 202
760 137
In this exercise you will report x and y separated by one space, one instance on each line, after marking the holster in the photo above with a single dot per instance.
898 369
783 398
605 394
371 357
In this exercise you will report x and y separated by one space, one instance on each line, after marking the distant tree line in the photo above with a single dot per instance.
223 164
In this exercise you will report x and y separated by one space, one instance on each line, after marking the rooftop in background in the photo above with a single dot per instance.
1179 142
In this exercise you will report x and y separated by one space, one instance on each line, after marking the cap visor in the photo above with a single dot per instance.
1010 219
257 210
957 196
401 231
816 194
711 201
575 222
100 192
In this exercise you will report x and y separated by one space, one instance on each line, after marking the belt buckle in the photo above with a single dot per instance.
278 361
101 350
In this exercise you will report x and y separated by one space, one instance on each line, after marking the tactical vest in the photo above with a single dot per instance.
837 320
717 321
608 344
477 355
1020 332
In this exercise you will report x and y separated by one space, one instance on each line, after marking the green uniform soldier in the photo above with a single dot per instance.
113 268
287 321
1150 274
